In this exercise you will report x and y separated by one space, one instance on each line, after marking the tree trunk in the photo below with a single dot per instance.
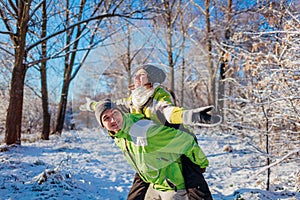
59 125
45 104
266 111
211 88
128 57
169 43
15 107
182 72
69 62
182 82
224 63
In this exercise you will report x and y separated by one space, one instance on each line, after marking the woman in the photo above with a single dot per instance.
153 150
155 101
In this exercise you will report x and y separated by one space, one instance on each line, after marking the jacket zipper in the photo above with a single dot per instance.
133 161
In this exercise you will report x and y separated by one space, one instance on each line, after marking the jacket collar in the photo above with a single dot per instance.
128 121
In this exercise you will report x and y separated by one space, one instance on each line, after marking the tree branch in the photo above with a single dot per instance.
126 15
277 162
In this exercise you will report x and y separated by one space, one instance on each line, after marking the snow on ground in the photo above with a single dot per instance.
87 165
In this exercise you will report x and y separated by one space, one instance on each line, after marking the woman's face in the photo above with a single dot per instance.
112 119
140 78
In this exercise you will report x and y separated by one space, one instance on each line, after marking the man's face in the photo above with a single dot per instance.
112 120
140 78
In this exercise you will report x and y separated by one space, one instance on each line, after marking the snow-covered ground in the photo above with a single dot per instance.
87 165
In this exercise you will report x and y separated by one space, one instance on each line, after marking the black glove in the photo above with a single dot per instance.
201 117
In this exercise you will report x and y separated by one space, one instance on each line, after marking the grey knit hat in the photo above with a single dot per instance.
103 106
155 74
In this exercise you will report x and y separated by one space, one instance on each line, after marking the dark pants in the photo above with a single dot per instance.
195 183
197 194
138 189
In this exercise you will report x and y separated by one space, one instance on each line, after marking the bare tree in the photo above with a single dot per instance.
24 13
210 58
212 86
185 20
74 36
167 21
69 59
224 60
18 37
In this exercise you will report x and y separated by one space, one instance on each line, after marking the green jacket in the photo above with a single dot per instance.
154 151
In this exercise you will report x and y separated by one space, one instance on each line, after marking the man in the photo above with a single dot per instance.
153 150
157 103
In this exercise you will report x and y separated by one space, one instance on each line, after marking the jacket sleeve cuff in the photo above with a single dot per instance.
187 117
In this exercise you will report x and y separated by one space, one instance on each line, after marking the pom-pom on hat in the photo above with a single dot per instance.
154 74
103 106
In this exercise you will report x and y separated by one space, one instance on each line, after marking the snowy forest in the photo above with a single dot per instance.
242 57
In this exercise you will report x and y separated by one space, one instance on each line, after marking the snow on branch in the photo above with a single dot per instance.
277 162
